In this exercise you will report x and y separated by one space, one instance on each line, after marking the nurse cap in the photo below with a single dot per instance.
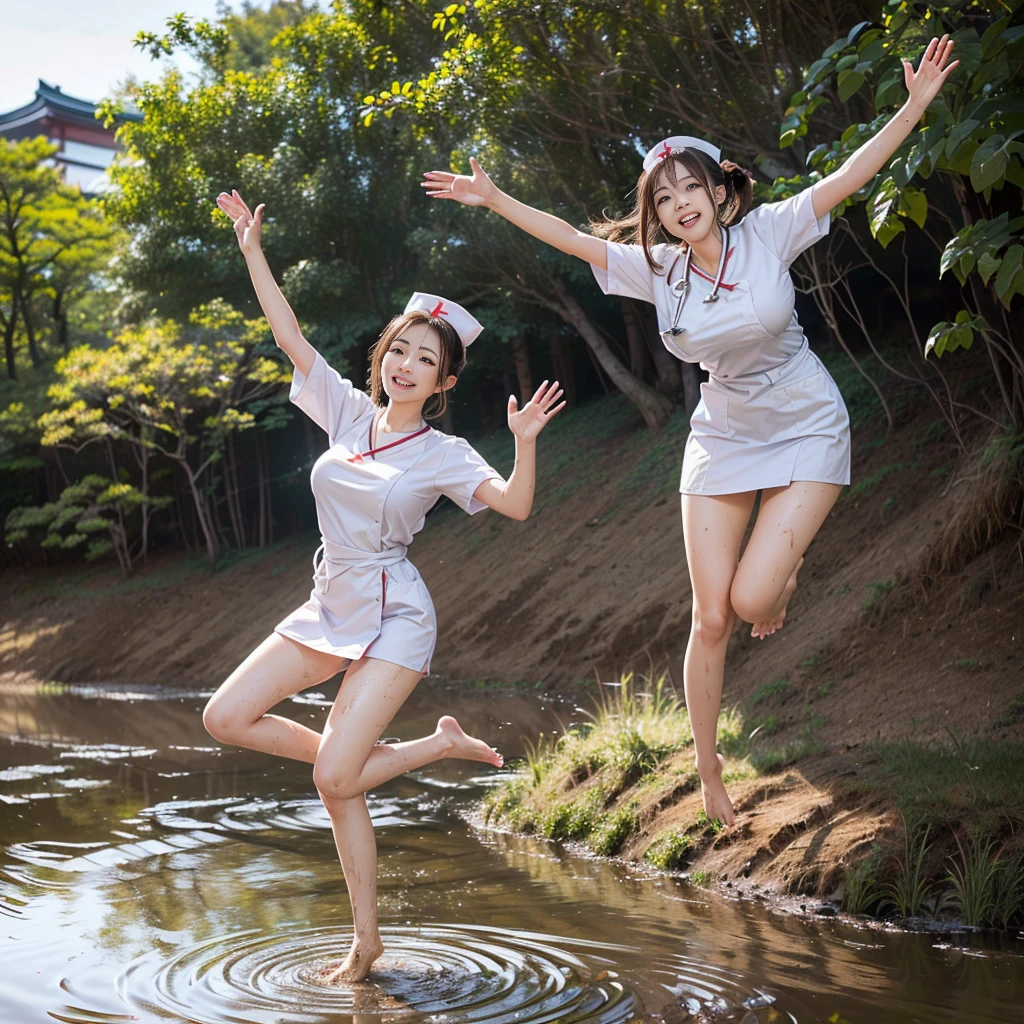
466 325
673 144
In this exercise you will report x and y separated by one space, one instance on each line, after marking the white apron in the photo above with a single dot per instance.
367 598
770 413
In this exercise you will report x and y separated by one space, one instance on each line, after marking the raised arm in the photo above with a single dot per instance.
871 157
275 306
514 497
478 190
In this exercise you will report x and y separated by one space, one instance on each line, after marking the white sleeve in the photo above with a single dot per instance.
461 472
788 227
327 398
628 273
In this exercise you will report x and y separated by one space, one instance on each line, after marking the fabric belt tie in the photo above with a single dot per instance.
343 558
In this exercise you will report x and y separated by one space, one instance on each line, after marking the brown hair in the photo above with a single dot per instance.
451 363
642 226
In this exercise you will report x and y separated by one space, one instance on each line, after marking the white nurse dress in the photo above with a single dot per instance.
367 598
770 412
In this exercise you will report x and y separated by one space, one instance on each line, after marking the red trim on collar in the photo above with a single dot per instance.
700 273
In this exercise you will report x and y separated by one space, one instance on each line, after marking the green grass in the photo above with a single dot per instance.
1014 713
864 487
670 851
768 690
811 661
877 591
977 782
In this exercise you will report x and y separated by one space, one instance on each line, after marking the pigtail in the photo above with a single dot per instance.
739 193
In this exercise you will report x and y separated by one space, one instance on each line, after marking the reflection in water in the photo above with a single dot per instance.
146 875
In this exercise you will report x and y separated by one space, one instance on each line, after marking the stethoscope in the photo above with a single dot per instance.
681 288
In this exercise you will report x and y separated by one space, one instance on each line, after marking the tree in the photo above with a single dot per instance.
53 242
968 148
181 392
83 513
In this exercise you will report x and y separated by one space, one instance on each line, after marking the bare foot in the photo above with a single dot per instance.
467 748
358 964
763 629
716 800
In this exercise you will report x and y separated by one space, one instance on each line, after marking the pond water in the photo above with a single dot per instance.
146 874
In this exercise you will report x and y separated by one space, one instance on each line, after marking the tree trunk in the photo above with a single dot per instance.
691 387
521 357
202 514
640 363
263 486
30 334
667 367
10 328
561 360
60 318
231 492
655 408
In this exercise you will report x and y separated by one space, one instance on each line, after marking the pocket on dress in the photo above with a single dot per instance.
712 413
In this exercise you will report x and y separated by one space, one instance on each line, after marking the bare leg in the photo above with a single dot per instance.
278 668
349 763
787 522
713 528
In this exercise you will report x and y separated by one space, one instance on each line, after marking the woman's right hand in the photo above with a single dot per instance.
247 224
472 190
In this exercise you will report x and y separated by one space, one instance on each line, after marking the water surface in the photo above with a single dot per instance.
147 874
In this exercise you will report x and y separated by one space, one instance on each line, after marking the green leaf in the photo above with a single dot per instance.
959 133
988 166
1007 280
991 41
915 205
888 231
936 339
848 83
987 266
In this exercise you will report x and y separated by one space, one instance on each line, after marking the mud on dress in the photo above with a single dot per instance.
770 412
367 598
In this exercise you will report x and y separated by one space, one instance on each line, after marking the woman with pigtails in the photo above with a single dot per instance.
369 614
770 418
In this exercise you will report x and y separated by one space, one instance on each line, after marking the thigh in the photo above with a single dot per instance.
713 529
278 668
369 698
787 521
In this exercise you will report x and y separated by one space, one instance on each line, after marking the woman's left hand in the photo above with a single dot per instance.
924 85
528 422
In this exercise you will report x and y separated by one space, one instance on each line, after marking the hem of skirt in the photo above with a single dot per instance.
345 652
761 486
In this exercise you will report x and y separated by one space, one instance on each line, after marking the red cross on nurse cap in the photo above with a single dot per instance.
673 144
466 325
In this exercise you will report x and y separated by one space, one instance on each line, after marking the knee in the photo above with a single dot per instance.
748 604
333 783
220 723
712 625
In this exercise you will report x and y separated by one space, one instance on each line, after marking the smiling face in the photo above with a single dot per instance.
417 359
683 204
410 367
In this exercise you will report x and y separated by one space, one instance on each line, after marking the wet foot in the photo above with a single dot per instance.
716 800
467 748
769 626
358 964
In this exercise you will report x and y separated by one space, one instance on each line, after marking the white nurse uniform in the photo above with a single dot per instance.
770 412
367 598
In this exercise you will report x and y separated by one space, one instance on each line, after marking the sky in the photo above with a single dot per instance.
86 49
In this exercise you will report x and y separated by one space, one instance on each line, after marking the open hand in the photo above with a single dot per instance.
472 190
248 225
924 85
528 422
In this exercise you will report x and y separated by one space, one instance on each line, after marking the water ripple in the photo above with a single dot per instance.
437 973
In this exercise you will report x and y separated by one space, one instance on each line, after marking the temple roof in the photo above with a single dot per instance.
51 102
